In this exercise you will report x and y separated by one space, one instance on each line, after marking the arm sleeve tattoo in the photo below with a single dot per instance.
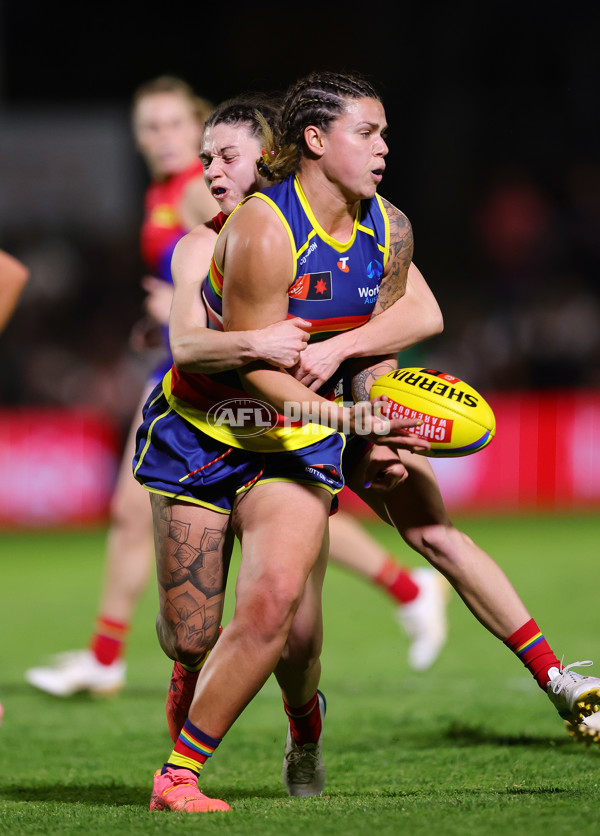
393 285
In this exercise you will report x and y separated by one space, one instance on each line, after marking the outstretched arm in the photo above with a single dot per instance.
13 278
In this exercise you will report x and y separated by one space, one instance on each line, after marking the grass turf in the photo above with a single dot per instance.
471 746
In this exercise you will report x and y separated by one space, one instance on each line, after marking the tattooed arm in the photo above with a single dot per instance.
406 313
364 376
395 273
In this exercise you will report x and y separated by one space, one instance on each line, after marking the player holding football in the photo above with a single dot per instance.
331 138
273 589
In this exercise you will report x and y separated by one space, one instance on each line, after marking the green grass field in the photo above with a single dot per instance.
470 747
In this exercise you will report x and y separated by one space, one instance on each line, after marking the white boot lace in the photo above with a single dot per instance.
568 677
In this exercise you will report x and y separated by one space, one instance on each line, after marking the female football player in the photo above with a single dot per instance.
280 481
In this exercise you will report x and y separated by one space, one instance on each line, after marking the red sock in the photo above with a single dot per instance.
305 721
108 642
534 651
397 581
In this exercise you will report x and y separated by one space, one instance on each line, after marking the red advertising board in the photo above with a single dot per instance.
545 456
58 467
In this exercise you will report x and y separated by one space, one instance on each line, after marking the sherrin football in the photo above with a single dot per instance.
457 421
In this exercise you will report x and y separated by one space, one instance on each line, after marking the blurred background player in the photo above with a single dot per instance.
167 124
167 119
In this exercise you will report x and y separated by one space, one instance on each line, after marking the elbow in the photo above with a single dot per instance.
437 323
23 275
182 357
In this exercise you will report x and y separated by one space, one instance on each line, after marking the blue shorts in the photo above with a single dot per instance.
356 447
176 459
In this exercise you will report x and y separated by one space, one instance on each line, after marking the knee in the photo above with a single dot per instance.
268 611
184 644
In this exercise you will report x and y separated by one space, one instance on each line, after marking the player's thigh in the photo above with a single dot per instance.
414 503
305 637
193 550
281 526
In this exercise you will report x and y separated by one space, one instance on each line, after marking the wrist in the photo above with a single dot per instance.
345 345
250 346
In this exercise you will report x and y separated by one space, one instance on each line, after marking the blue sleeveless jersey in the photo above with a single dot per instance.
335 287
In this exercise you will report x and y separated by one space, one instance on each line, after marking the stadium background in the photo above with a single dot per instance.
494 157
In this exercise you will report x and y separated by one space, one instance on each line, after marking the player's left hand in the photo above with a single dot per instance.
317 363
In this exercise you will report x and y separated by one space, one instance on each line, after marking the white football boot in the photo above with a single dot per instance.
575 696
424 619
77 670
303 768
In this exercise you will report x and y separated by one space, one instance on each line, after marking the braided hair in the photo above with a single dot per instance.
317 99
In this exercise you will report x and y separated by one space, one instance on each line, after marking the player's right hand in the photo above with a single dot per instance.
281 343
368 420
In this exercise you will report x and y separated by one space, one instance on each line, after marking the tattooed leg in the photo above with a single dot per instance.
193 551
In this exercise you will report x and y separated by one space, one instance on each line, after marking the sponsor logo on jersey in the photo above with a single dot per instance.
312 247
374 269
325 472
312 286
343 264
369 294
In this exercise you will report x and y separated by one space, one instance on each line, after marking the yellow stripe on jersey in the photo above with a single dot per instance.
332 242
272 441
281 217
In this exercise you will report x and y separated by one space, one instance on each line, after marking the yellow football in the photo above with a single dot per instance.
457 421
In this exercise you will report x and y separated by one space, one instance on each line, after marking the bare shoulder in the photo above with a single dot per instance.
193 251
401 234
395 274
255 252
256 218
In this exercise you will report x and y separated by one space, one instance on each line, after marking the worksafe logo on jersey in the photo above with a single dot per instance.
313 287
244 417
368 294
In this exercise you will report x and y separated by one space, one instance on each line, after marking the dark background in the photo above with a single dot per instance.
494 137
